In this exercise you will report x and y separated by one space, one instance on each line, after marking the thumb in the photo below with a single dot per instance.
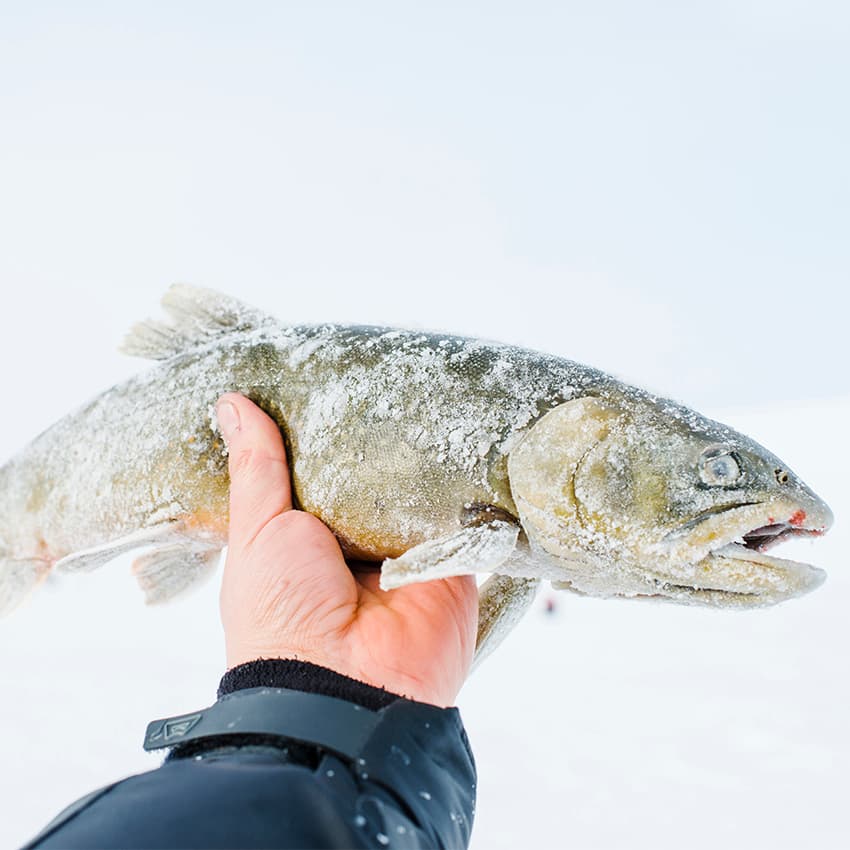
259 474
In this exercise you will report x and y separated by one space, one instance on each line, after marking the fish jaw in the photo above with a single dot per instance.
723 559
715 562
767 579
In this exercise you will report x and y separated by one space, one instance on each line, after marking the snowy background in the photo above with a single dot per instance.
661 190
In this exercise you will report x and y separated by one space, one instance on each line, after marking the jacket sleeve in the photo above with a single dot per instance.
401 776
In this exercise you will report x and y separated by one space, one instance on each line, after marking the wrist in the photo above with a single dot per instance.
434 688
305 676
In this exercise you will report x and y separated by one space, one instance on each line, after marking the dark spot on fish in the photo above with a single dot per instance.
478 513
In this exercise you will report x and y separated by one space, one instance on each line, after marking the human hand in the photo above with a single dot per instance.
287 591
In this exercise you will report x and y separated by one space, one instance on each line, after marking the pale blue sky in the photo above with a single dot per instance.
659 189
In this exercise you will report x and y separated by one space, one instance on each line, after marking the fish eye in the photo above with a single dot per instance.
720 467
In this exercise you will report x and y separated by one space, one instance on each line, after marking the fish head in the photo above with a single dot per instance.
638 496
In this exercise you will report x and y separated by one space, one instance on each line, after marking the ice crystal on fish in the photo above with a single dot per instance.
457 454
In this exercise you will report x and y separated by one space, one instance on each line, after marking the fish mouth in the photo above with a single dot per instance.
734 569
767 536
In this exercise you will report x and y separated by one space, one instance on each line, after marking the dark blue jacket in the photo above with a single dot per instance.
350 766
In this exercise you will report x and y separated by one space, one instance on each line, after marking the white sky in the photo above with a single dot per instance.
658 189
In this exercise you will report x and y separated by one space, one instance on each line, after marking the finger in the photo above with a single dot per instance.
259 475
371 581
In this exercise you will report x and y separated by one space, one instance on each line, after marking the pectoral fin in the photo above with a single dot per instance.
502 601
479 548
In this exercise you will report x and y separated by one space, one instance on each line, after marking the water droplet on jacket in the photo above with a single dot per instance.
329 773
398 752
401 830
382 839
364 775
360 820
361 761
424 795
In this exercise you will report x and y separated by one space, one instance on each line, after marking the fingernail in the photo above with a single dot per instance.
228 418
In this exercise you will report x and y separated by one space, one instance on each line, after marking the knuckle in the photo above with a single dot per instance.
250 461
243 460
299 524
299 532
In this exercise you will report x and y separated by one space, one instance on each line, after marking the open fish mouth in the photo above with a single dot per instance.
763 538
740 573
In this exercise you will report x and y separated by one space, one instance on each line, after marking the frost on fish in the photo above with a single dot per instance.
437 454
503 601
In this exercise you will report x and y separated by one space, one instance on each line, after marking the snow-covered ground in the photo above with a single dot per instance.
605 724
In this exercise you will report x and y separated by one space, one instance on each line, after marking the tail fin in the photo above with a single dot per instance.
18 578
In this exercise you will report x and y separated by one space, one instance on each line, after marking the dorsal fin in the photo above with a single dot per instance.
194 317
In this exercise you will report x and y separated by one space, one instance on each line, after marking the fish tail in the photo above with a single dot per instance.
22 567
18 578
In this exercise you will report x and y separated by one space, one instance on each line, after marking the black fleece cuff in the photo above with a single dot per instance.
304 676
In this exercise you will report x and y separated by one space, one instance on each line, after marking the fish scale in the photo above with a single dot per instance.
432 454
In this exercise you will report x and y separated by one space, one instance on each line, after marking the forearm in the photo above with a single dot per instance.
410 783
